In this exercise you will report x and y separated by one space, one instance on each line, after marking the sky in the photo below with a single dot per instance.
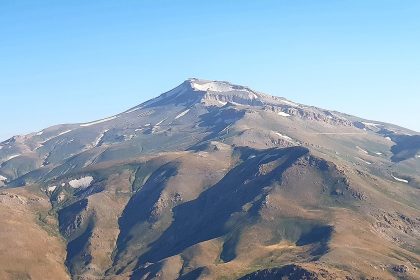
75 61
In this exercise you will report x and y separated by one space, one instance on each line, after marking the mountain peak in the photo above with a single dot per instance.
209 92
217 93
217 86
223 92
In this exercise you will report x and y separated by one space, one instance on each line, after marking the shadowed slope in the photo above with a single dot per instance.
206 217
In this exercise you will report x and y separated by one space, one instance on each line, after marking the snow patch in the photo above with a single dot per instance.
388 138
290 103
182 114
220 87
285 137
83 182
133 110
376 125
378 153
399 179
100 138
160 122
2 178
362 150
40 133
417 156
367 162
128 137
12 157
64 132
61 197
283 114
98 122
46 140
51 189
236 104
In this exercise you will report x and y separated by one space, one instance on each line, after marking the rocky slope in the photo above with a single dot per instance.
214 181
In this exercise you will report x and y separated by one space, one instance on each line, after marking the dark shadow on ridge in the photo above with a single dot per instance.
205 217
141 204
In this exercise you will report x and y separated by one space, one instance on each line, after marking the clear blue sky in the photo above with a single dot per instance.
76 60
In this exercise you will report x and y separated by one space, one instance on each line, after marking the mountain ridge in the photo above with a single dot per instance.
211 89
231 99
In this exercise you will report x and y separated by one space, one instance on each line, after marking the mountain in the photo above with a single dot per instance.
212 180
